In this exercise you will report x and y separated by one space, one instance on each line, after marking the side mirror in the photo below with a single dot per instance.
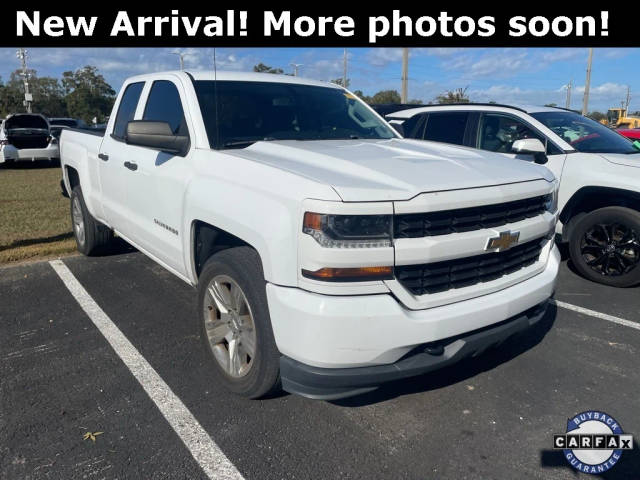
531 146
156 135
398 126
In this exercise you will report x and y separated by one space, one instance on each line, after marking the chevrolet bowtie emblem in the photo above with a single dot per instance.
505 241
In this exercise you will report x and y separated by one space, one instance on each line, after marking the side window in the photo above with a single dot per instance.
498 132
414 126
127 108
447 127
163 105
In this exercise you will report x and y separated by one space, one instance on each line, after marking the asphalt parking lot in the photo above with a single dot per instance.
488 417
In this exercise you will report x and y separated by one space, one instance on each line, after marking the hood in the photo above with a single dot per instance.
631 160
395 169
29 122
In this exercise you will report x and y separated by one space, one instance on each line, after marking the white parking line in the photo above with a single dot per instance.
204 450
593 313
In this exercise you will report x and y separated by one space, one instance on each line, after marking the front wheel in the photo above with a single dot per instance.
235 324
605 246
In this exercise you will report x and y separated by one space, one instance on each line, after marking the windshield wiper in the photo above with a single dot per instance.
245 143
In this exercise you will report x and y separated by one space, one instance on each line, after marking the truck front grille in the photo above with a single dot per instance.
463 272
413 225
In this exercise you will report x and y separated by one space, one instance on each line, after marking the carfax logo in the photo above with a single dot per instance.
593 443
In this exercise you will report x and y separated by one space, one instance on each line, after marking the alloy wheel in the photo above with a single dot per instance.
611 249
78 221
229 326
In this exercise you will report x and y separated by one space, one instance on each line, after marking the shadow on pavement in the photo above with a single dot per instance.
461 371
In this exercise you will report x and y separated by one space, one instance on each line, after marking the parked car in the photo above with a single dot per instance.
67 122
599 173
631 133
26 136
330 255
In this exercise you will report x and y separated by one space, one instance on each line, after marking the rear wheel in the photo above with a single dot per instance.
92 237
235 324
605 246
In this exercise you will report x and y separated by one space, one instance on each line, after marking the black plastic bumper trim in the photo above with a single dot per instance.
335 383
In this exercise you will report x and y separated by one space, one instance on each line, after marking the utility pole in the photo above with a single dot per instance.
404 98
344 68
585 99
181 55
569 86
626 104
295 68
28 98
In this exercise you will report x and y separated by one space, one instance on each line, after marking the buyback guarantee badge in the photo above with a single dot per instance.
594 442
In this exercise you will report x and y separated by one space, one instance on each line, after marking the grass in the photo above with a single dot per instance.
34 216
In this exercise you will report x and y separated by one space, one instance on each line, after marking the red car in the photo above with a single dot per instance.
633 133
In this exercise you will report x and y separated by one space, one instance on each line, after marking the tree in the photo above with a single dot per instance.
597 116
415 101
262 68
88 95
459 95
385 96
338 81
362 96
48 95
550 104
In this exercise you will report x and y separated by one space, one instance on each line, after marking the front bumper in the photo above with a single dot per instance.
351 332
333 383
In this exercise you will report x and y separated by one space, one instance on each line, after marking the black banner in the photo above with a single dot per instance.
58 25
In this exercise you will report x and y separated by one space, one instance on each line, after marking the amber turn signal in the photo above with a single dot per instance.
360 274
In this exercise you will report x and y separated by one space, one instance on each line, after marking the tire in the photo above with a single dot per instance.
605 246
92 237
255 372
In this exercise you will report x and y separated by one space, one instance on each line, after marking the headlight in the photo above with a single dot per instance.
551 200
349 231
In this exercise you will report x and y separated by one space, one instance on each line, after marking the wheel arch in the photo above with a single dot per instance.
207 240
588 199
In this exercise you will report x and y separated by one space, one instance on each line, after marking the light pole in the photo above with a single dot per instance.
295 68
181 55
28 98
587 84
405 76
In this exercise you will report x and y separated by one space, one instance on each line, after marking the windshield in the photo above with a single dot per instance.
584 134
248 112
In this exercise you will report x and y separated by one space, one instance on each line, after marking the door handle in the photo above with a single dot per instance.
131 165
103 156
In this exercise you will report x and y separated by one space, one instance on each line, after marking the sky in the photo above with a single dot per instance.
504 75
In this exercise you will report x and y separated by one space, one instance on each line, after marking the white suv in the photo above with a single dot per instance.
598 169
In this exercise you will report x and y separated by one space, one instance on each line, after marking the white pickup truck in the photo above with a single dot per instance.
330 255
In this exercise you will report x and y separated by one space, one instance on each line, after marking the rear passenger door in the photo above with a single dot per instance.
113 153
